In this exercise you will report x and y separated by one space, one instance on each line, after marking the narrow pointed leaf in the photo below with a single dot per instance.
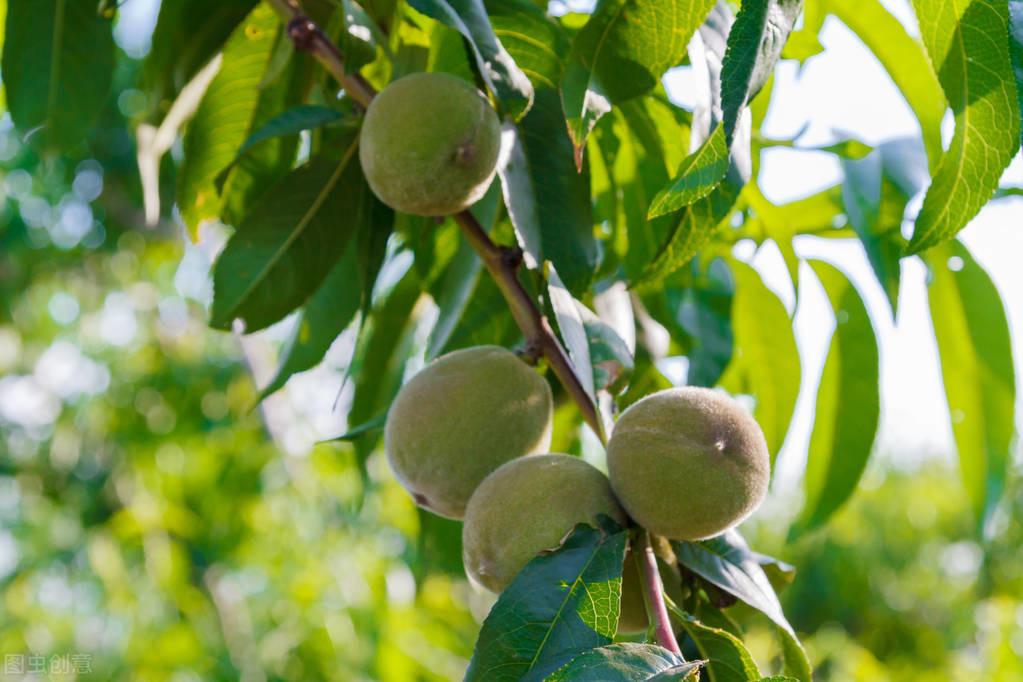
970 52
842 438
289 243
1016 49
469 17
622 52
573 332
561 605
225 116
765 354
58 66
699 173
291 122
977 369
625 662
727 657
754 45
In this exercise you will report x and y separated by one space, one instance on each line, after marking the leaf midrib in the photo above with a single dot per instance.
300 228
58 39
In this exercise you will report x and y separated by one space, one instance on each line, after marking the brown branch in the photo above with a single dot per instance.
502 262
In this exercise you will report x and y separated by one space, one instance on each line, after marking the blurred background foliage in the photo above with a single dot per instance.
152 517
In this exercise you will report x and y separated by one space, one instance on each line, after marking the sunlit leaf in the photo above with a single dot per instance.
977 369
727 657
1016 49
625 662
848 404
469 17
560 605
699 173
570 323
905 60
536 43
58 66
983 96
621 53
225 116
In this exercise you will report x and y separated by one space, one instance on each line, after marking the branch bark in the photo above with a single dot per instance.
501 262
653 594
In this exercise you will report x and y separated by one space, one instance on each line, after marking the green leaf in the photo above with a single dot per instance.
188 34
291 122
622 52
727 657
699 173
727 562
765 355
1016 49
322 319
754 45
374 424
848 404
875 206
290 241
225 116
58 66
568 315
625 662
977 369
905 60
535 42
973 66
609 354
469 17
547 199
560 605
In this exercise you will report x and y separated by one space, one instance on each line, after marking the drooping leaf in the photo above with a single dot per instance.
905 60
977 369
727 562
225 116
548 201
848 404
560 605
982 92
622 52
1016 49
290 241
754 45
469 17
536 43
58 66
610 358
568 315
624 662
727 657
698 175
766 359
322 319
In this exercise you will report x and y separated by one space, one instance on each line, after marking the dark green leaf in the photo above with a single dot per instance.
290 241
469 17
754 46
727 658
727 562
699 173
359 33
977 368
374 424
766 360
561 605
905 60
291 122
609 354
324 316
625 662
548 201
622 52
535 42
1016 48
982 92
225 116
58 65
842 438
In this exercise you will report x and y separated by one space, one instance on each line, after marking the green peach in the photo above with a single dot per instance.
429 144
461 417
688 463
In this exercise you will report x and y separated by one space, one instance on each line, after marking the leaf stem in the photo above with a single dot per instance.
653 592
307 36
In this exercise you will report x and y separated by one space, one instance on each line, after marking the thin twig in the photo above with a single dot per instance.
309 37
653 593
